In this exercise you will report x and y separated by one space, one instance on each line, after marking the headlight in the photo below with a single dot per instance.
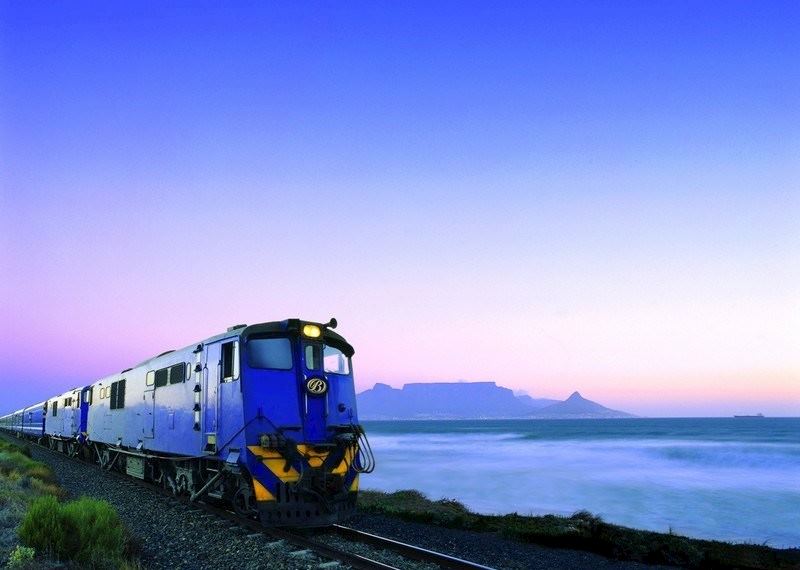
312 331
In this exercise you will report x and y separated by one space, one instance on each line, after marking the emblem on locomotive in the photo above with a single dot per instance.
316 386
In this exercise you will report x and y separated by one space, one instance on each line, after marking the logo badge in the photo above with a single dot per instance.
316 386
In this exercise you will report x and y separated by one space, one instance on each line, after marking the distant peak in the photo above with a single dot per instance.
575 396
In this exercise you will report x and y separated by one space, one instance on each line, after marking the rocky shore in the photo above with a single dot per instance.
580 531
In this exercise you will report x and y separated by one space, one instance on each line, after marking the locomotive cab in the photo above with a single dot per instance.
302 432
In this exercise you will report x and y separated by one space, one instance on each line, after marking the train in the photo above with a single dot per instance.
261 418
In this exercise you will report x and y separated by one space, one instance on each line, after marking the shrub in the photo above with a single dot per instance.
100 531
21 557
44 528
86 531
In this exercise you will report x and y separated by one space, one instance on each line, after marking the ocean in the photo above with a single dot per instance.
734 479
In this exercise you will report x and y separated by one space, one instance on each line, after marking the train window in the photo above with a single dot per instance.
162 377
118 395
230 361
150 379
312 356
335 361
177 374
275 353
55 408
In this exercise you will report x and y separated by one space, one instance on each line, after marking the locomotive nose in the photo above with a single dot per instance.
326 383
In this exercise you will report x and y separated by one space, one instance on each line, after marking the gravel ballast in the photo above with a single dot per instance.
173 535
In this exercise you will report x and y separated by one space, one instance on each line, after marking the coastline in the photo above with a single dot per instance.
581 531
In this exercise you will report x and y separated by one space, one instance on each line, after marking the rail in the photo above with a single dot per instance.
408 550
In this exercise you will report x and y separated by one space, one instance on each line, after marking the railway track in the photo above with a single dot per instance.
305 543
408 550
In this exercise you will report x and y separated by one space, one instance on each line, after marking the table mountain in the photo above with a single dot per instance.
469 400
440 400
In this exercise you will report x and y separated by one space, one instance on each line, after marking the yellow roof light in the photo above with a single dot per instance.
312 331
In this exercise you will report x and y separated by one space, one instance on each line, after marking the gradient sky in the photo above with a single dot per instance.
602 196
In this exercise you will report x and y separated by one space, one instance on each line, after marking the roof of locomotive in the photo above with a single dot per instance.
288 326
292 326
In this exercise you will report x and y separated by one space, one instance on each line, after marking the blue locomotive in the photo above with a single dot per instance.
260 417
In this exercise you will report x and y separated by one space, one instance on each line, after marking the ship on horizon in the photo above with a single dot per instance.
750 416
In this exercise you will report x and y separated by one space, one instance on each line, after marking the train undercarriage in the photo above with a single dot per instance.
318 499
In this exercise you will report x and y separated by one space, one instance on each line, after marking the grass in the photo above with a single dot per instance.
16 466
85 533
583 531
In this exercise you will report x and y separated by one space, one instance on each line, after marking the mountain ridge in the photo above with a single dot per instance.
471 400
577 406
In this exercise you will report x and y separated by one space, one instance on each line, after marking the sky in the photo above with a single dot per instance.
556 196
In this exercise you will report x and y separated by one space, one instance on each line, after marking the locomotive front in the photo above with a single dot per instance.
304 446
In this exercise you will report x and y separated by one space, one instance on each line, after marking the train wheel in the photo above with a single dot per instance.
243 501
183 486
166 478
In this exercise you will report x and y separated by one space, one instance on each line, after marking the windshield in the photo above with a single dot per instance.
335 361
275 353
